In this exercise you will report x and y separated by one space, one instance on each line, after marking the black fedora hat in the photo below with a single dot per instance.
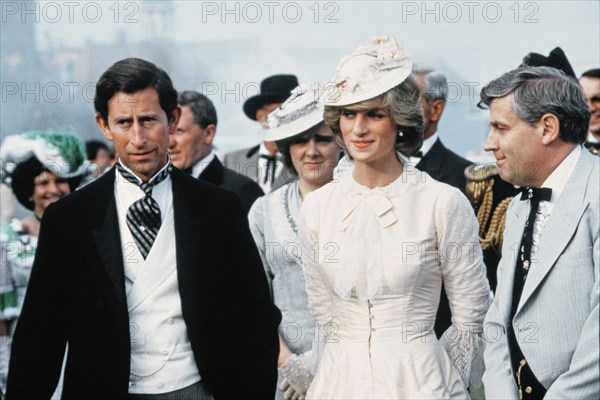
274 89
556 59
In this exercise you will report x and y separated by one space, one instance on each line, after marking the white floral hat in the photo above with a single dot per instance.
301 111
368 72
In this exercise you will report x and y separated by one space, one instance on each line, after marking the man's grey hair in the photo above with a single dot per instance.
540 90
202 108
436 85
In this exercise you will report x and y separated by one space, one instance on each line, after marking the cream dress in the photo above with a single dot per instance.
374 261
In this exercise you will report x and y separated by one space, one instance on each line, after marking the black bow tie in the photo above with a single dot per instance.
271 168
418 154
539 194
593 147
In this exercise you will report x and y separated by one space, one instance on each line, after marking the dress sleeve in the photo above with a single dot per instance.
466 285
319 296
256 219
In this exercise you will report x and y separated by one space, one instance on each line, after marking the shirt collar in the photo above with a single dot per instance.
428 143
157 172
262 150
560 176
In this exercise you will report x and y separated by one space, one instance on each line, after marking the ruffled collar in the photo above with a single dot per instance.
379 198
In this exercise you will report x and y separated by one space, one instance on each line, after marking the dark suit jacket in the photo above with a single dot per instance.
445 166
246 189
448 167
245 162
76 294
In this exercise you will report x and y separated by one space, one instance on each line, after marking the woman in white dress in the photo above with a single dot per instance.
309 147
378 244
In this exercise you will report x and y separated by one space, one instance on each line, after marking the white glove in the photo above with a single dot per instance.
288 392
296 374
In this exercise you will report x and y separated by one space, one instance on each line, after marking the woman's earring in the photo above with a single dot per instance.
400 133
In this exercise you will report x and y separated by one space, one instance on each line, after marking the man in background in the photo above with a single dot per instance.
590 82
263 163
191 148
437 160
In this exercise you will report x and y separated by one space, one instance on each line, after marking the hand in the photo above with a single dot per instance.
296 371
288 391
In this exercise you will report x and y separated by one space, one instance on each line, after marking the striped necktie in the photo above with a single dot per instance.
143 216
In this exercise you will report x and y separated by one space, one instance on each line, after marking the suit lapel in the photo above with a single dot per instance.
560 227
432 161
515 225
188 234
106 234
213 173
250 164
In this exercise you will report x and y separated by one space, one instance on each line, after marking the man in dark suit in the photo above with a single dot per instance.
434 158
438 161
149 275
590 83
263 163
191 148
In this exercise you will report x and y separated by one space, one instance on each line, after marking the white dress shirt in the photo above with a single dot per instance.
556 181
262 168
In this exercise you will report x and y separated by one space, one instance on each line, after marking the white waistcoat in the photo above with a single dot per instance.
161 355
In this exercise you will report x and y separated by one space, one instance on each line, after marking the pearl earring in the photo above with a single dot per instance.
400 133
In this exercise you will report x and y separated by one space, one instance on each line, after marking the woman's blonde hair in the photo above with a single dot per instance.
403 104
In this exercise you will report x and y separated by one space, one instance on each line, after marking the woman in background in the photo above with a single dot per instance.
310 149
41 168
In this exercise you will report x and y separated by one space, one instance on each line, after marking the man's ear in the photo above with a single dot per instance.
550 126
210 134
101 122
175 115
437 108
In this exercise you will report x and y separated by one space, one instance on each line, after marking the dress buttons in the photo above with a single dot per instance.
170 321
160 385
165 352
528 390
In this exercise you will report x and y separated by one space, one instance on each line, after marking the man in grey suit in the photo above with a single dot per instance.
542 328
191 148
263 163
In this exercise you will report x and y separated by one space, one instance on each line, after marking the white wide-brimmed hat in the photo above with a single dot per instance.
368 72
301 111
